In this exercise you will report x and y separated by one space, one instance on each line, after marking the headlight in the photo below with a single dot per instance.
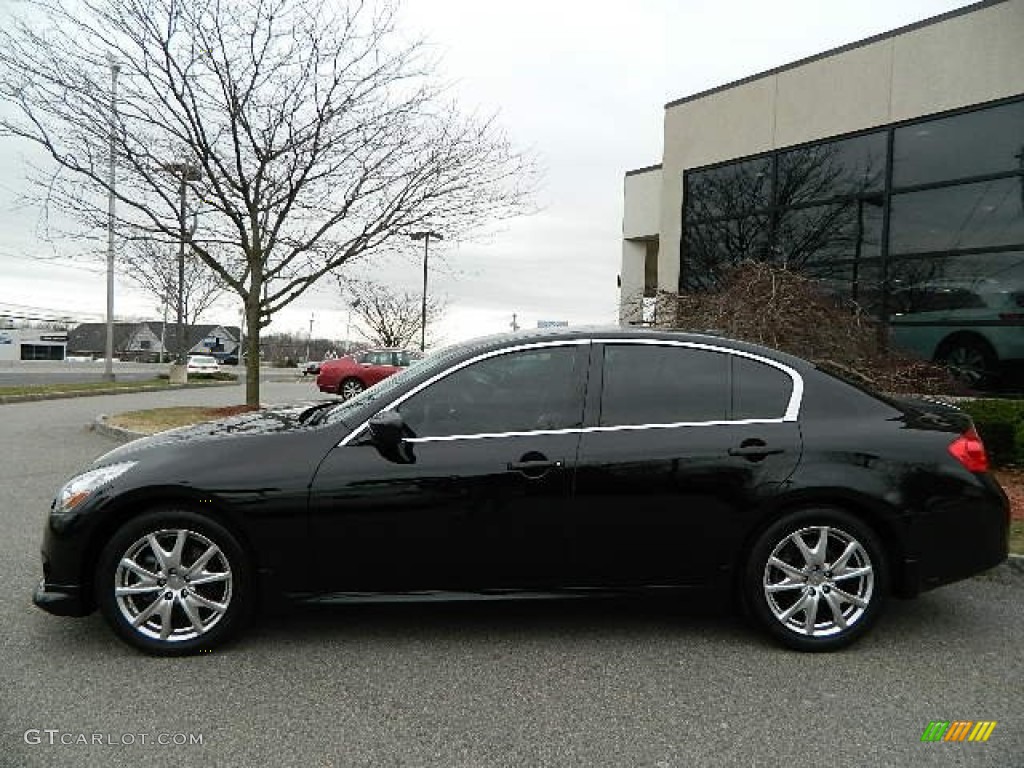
79 488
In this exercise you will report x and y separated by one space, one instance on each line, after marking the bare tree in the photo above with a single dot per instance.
154 268
391 318
311 133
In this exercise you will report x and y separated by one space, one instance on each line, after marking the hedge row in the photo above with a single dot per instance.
1001 426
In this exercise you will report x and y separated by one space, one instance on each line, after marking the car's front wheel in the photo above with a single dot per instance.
172 582
816 579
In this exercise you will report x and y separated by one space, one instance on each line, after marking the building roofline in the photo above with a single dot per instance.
841 49
645 169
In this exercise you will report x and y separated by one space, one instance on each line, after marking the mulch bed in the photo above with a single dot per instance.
1012 481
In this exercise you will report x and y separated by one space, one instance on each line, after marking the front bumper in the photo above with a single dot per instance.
61 599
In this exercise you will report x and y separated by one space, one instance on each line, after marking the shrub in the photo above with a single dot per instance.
1001 426
780 308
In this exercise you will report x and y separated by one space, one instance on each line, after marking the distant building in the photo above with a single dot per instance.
32 344
151 341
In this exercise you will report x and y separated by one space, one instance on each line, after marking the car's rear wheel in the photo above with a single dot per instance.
172 582
972 361
816 579
350 388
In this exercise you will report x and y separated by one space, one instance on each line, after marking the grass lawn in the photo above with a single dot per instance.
81 386
159 419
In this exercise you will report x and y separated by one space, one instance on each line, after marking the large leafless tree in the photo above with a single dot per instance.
391 317
309 134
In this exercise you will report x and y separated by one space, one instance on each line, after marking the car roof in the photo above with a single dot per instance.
616 332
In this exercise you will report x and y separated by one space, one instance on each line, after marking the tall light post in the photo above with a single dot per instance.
425 236
348 326
185 174
108 365
309 339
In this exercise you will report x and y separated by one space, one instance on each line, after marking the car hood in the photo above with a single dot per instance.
266 422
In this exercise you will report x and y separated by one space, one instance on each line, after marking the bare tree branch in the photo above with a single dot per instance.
391 318
319 134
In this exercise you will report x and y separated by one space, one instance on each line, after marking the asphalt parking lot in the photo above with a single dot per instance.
524 684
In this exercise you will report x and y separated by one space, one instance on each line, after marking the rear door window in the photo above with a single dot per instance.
653 384
759 391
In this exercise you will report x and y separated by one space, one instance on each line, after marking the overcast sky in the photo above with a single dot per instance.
583 83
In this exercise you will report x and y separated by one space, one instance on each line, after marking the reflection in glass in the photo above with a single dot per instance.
826 171
969 271
960 308
855 280
973 144
711 248
729 190
986 214
851 229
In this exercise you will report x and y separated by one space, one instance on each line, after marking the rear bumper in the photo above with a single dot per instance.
959 538
61 599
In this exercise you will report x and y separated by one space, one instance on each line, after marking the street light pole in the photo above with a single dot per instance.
185 174
348 326
108 365
425 237
309 339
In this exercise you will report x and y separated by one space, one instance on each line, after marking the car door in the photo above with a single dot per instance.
379 365
684 441
477 498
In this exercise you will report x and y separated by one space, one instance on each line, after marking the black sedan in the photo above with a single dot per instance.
538 464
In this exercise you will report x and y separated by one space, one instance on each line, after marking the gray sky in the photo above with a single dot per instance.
582 82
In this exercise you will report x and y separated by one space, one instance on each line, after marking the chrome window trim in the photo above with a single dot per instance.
791 414
588 430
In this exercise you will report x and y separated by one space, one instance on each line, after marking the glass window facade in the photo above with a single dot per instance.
928 213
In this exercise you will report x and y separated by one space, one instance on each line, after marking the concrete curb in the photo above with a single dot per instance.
118 433
1009 573
5 399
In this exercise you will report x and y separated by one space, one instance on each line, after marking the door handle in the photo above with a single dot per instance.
528 466
534 469
754 449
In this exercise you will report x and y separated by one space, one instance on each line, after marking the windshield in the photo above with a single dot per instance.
432 363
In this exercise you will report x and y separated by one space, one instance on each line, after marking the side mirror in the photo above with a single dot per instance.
388 429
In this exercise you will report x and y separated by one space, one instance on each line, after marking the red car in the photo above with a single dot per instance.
348 376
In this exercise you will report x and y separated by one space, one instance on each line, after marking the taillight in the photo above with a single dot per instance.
970 451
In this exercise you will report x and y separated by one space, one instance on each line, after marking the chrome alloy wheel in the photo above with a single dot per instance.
173 585
818 581
350 388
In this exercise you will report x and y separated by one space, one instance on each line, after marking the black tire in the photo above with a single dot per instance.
805 607
350 387
210 600
970 360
